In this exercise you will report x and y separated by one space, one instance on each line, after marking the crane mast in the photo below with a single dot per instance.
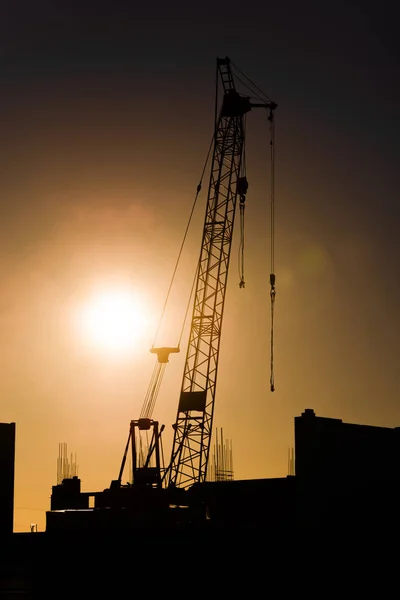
193 426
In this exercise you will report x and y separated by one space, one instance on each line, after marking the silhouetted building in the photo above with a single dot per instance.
346 472
345 475
251 503
7 462
67 495
330 448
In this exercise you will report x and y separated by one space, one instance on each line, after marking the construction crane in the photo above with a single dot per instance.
157 495
194 420
227 184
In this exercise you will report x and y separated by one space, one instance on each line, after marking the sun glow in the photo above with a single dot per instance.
114 321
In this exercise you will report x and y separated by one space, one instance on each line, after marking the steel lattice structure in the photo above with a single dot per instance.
193 427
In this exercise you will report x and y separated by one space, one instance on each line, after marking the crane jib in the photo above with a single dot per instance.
193 426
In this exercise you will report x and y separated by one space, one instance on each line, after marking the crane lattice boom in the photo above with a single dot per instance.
194 420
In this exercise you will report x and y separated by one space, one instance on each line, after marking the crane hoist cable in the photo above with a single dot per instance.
242 199
272 277
188 304
241 246
254 89
198 190
163 353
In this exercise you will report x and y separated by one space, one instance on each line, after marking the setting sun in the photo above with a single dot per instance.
114 321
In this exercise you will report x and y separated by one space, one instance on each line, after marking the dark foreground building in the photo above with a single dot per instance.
346 479
347 474
7 461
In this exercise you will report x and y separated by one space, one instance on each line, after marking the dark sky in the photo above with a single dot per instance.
106 116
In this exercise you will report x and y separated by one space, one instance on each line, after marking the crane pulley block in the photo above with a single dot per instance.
144 424
163 353
235 105
242 187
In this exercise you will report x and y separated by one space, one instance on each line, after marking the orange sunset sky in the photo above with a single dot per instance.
106 122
